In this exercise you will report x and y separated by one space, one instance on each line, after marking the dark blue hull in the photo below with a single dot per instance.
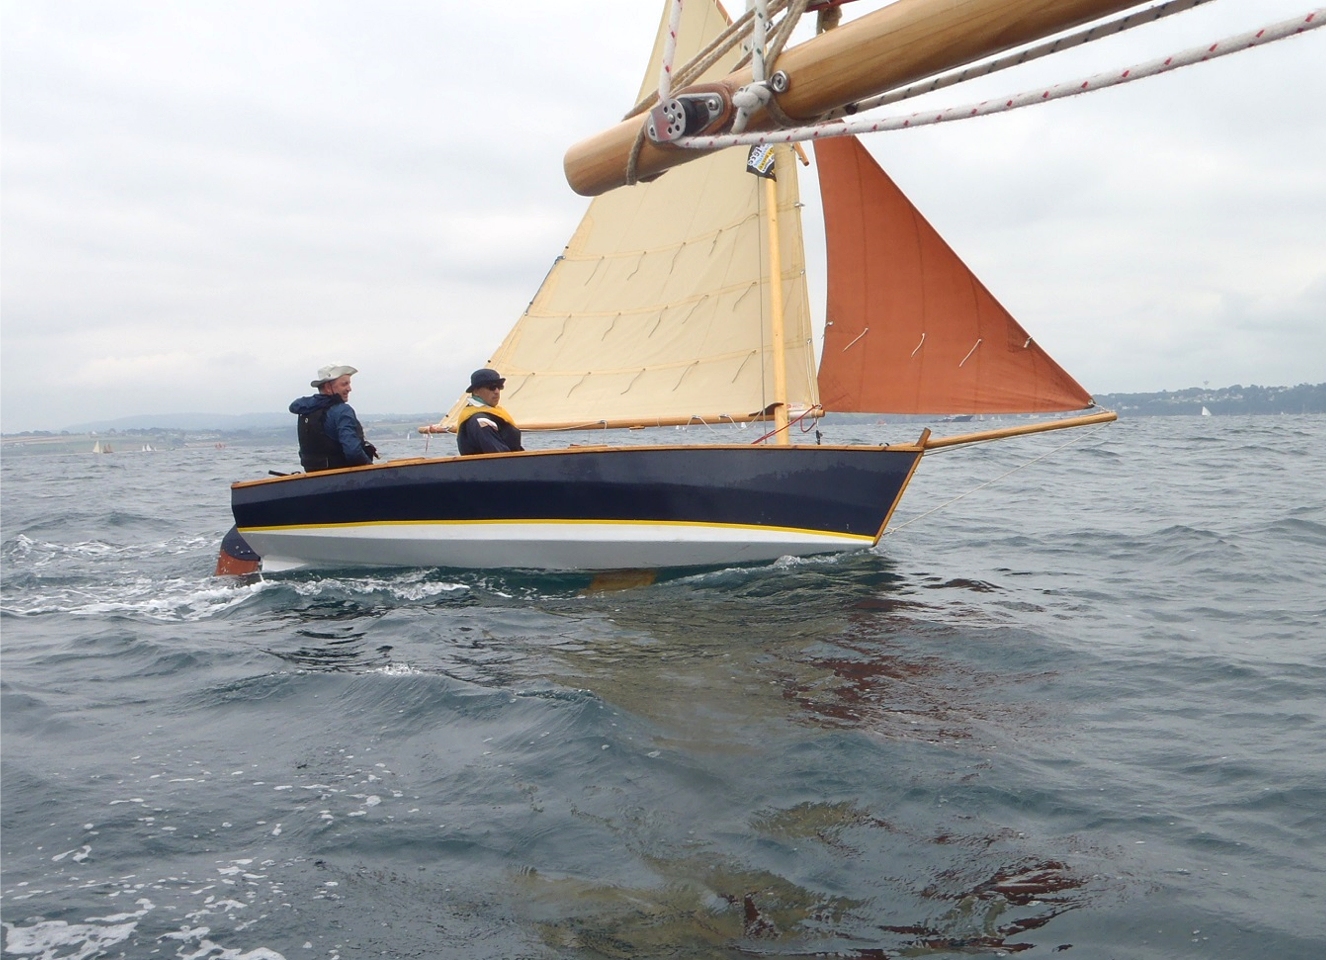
582 508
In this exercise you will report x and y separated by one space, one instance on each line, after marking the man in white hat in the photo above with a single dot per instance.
330 435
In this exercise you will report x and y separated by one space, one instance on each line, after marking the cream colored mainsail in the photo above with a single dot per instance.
658 310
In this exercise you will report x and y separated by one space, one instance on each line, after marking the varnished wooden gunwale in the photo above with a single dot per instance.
925 443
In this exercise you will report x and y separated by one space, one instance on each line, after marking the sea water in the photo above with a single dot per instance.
1078 709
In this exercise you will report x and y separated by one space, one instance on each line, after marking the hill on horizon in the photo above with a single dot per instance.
221 421
1221 401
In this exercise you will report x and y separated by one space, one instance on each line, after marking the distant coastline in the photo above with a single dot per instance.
169 431
1221 402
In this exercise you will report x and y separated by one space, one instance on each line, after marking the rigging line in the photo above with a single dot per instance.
774 7
719 47
816 410
704 422
947 503
669 51
1100 81
1020 57
759 93
633 160
789 23
755 94
706 58
759 40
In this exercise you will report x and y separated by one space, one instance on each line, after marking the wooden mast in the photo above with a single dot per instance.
776 312
898 44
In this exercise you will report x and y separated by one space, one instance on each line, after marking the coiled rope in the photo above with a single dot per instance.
1100 81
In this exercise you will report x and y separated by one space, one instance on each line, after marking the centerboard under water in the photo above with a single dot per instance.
678 301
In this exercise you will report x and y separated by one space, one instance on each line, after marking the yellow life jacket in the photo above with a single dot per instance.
471 408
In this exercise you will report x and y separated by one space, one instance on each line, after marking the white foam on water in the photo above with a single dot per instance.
38 554
175 598
49 939
399 670
408 586
92 938
209 950
79 855
170 600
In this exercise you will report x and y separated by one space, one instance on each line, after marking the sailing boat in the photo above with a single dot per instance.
683 301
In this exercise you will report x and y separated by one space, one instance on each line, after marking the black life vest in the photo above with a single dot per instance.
317 451
469 438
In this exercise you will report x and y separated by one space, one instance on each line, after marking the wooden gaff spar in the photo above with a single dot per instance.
904 42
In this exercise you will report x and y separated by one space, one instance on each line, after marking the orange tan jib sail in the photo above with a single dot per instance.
909 328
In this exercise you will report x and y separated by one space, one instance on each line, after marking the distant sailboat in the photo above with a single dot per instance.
100 447
1205 412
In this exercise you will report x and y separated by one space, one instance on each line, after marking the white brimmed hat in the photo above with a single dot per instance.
332 372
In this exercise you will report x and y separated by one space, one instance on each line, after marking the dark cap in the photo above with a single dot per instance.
486 378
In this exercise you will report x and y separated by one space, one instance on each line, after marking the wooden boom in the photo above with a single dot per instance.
928 442
906 41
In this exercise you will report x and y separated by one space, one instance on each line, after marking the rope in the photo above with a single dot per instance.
789 23
759 40
756 19
816 411
633 158
706 423
987 483
723 43
707 57
764 54
1112 28
669 51
839 128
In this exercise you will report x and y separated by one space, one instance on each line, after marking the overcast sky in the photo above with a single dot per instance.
204 202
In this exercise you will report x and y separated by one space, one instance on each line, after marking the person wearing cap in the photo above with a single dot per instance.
330 435
483 426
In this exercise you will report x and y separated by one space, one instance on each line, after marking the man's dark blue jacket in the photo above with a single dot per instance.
339 442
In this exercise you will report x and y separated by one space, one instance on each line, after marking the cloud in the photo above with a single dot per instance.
248 190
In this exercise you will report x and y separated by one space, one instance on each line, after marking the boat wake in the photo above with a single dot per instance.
171 599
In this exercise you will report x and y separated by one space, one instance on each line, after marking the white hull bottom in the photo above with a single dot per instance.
564 545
